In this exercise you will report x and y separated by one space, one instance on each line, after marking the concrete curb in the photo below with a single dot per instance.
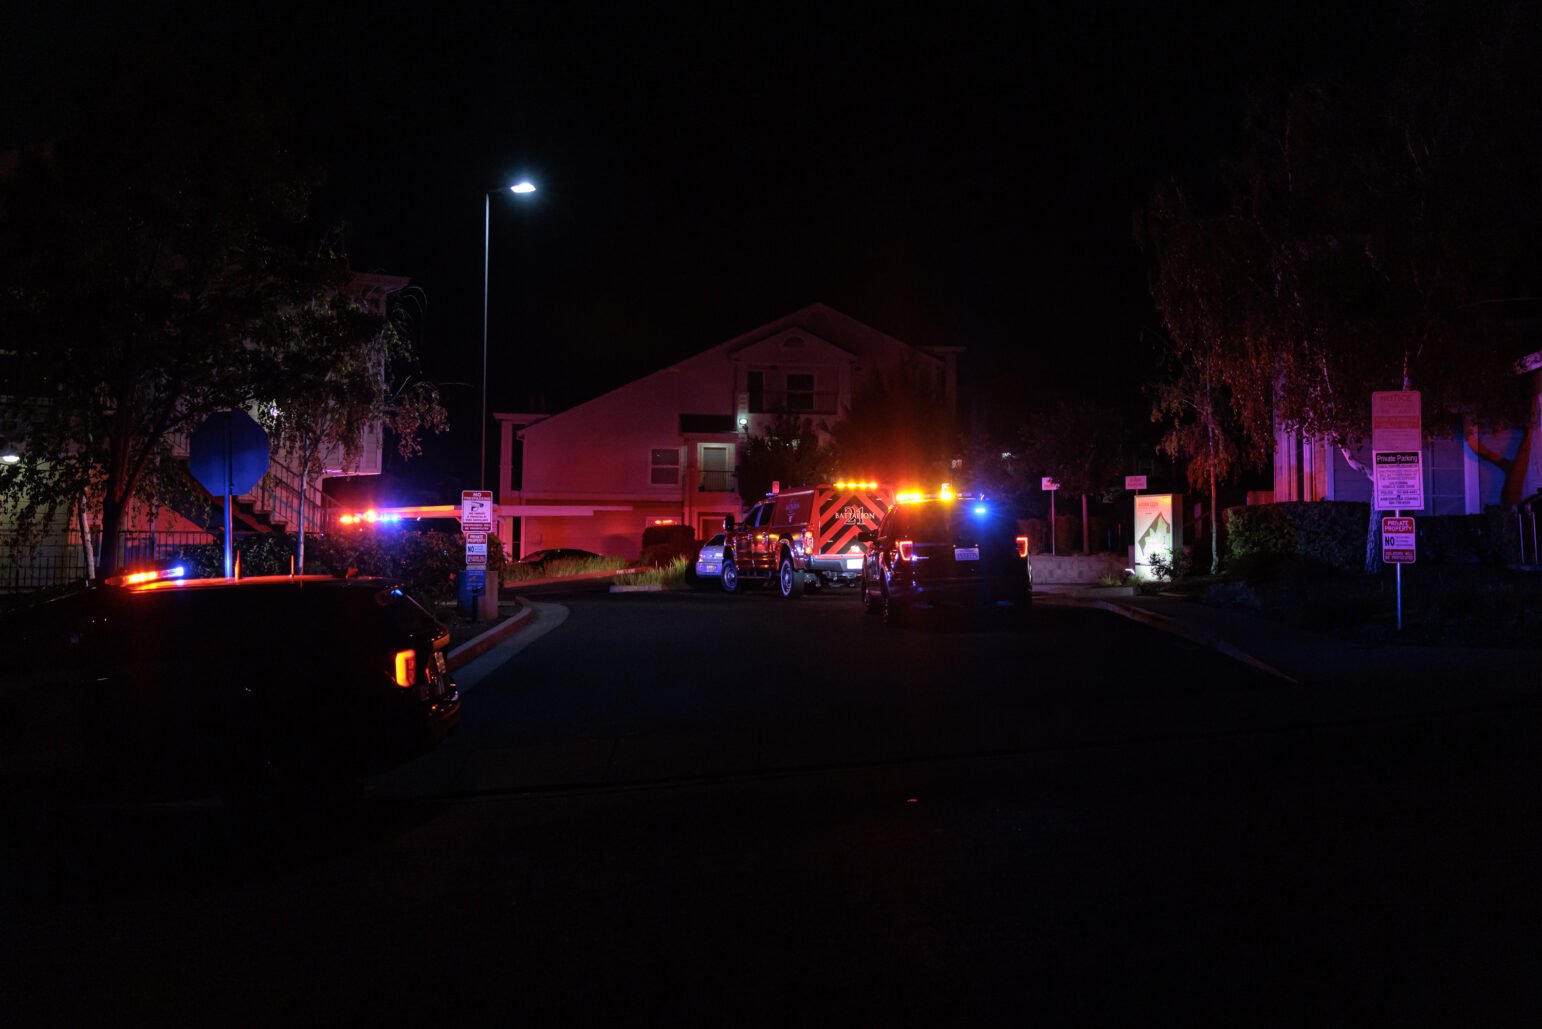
479 645
1172 626
653 588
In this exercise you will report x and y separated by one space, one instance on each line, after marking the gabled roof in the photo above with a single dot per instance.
821 320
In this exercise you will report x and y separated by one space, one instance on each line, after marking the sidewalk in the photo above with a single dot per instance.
1299 655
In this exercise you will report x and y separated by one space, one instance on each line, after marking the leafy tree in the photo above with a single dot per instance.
337 376
897 430
157 270
791 451
1373 238
1215 417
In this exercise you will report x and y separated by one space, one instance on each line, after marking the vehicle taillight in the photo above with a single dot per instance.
406 667
906 548
1022 546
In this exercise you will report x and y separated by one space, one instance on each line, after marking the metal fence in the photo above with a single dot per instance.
61 560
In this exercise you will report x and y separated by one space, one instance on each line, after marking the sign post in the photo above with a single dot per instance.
1399 547
228 455
1397 456
476 521
1049 486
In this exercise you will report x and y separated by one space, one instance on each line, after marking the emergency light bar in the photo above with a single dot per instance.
135 578
370 517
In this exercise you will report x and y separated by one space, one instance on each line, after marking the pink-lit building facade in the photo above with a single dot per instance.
666 448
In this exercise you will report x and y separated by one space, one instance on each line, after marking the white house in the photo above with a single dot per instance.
665 449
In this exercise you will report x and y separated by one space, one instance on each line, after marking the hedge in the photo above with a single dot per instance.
1333 533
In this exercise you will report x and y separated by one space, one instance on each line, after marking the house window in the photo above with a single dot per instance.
800 392
665 466
755 385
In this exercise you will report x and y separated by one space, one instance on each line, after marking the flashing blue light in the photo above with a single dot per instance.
174 573
980 509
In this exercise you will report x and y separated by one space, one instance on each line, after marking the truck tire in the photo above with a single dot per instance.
788 579
729 577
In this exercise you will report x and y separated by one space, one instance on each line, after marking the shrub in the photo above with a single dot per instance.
661 544
1326 532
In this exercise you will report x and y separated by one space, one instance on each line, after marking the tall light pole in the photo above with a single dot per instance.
487 235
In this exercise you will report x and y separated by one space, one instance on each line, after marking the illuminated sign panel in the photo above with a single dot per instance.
1158 530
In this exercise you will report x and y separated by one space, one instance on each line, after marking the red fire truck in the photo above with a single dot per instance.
804 537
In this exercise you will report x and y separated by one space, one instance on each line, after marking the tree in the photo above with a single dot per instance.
791 451
157 269
339 373
1374 235
898 430
1211 426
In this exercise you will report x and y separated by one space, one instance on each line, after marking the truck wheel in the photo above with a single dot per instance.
729 577
788 579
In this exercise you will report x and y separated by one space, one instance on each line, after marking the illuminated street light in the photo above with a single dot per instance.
521 188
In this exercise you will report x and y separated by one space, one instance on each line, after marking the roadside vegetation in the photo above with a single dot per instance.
671 576
516 572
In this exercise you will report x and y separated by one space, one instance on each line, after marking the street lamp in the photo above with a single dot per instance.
487 234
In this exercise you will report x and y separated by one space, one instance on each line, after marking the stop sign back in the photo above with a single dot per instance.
229 447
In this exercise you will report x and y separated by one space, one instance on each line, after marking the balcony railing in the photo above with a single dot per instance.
775 401
717 482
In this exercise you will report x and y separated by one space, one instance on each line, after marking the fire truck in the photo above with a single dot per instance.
805 537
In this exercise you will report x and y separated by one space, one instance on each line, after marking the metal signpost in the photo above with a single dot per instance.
1398 548
1397 462
228 455
476 521
1050 486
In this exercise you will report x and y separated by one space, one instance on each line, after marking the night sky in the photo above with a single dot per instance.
959 174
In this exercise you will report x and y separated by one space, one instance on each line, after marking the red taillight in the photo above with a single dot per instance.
406 668
1022 546
906 548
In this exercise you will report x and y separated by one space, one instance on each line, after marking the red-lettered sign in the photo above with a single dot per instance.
1398 546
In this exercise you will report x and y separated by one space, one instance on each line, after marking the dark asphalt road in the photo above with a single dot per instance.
696 809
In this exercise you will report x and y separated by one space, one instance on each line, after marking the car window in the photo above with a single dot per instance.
756 516
957 523
716 541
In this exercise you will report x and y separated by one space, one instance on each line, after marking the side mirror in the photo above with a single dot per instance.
867 536
728 523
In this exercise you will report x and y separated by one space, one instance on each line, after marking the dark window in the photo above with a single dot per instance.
755 384
800 392
665 466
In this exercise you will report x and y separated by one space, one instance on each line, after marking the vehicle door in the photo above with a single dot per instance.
758 538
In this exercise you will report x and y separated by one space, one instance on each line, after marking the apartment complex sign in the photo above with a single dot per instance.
1397 450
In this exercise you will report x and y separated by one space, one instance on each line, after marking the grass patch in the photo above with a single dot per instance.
670 576
558 569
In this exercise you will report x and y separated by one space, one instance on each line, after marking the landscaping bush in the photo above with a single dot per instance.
661 544
425 562
1330 533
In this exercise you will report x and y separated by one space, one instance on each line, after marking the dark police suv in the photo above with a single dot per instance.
944 551
215 687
